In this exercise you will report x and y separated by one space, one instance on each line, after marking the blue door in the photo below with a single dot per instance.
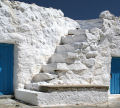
6 69
115 76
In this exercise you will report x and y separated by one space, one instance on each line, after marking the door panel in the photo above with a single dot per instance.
115 76
6 68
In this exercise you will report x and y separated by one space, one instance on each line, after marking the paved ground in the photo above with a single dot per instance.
11 103
114 102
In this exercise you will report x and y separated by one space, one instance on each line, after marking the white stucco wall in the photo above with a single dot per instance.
84 57
35 31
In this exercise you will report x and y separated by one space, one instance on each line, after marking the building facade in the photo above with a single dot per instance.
50 59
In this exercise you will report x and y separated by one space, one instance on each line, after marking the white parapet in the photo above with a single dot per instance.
27 96
64 95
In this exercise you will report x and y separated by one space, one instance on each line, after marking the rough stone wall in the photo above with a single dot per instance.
65 97
102 44
81 96
35 31
91 48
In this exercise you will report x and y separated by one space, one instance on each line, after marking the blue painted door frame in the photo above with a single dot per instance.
6 68
115 76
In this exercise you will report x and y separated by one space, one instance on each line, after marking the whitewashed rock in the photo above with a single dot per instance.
98 64
80 45
90 23
89 62
101 79
32 86
51 68
64 48
62 67
35 86
35 31
91 38
91 54
58 58
66 57
48 68
113 46
76 32
107 15
77 67
86 50
115 52
73 38
71 55
43 77
93 47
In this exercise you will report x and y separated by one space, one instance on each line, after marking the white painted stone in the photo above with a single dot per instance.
27 96
64 48
107 15
98 64
91 38
90 24
91 54
73 38
115 52
89 62
86 50
113 46
43 77
77 67
62 67
71 55
31 87
32 29
101 79
58 58
76 32
65 57
82 96
94 47
37 32
80 45
48 68
96 55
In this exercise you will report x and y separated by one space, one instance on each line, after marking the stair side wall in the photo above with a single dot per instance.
35 31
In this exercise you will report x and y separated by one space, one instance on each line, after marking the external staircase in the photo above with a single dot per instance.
67 59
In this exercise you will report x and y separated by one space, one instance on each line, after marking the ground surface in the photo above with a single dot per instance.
114 102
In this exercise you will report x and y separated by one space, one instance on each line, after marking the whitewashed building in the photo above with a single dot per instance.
48 59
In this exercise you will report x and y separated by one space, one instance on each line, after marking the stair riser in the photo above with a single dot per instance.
64 58
72 39
64 48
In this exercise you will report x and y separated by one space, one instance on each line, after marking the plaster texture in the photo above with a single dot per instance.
35 31
84 55
61 97
50 49
11 103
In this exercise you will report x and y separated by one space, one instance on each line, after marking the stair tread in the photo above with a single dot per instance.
73 38
74 86
47 87
89 24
